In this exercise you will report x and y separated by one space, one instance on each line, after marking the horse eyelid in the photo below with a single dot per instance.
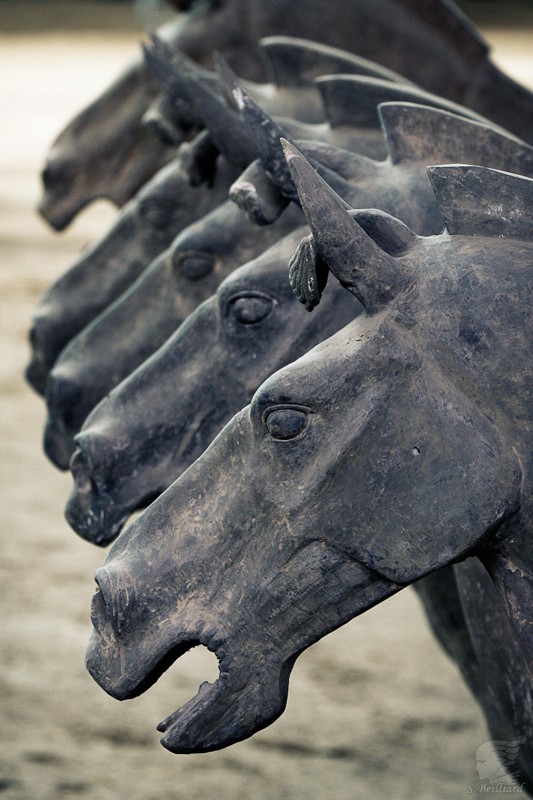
285 407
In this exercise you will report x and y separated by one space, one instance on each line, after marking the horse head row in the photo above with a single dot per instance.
128 455
107 350
308 465
396 447
193 183
432 44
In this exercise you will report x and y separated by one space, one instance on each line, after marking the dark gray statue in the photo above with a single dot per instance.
109 149
104 151
413 136
293 64
397 447
145 227
147 431
344 106
107 351
140 321
114 263
431 43
167 204
138 440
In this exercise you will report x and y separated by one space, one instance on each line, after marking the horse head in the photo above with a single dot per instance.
178 280
398 446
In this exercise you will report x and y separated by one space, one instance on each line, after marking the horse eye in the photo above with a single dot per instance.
193 266
286 423
158 216
251 309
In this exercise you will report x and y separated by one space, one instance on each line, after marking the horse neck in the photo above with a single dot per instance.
503 687
509 561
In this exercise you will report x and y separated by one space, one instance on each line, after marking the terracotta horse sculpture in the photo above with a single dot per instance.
127 456
432 43
171 287
193 183
397 447
147 431
145 227
109 149
415 137
90 366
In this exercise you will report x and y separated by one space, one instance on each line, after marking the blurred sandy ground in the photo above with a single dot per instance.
375 710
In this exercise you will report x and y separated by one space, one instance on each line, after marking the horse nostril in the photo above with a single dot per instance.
116 598
62 395
101 604
97 608
81 472
41 334
100 578
40 364
33 336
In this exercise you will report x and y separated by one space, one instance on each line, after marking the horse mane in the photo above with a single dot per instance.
478 201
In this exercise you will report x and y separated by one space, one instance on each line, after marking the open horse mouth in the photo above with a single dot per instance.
241 701
249 693
146 617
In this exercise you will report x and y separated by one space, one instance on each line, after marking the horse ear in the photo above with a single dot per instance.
227 79
355 259
290 61
225 127
251 192
336 165
421 133
266 135
307 271
477 201
158 62
175 74
390 233
168 66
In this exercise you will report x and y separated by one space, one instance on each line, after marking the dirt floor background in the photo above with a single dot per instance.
375 710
